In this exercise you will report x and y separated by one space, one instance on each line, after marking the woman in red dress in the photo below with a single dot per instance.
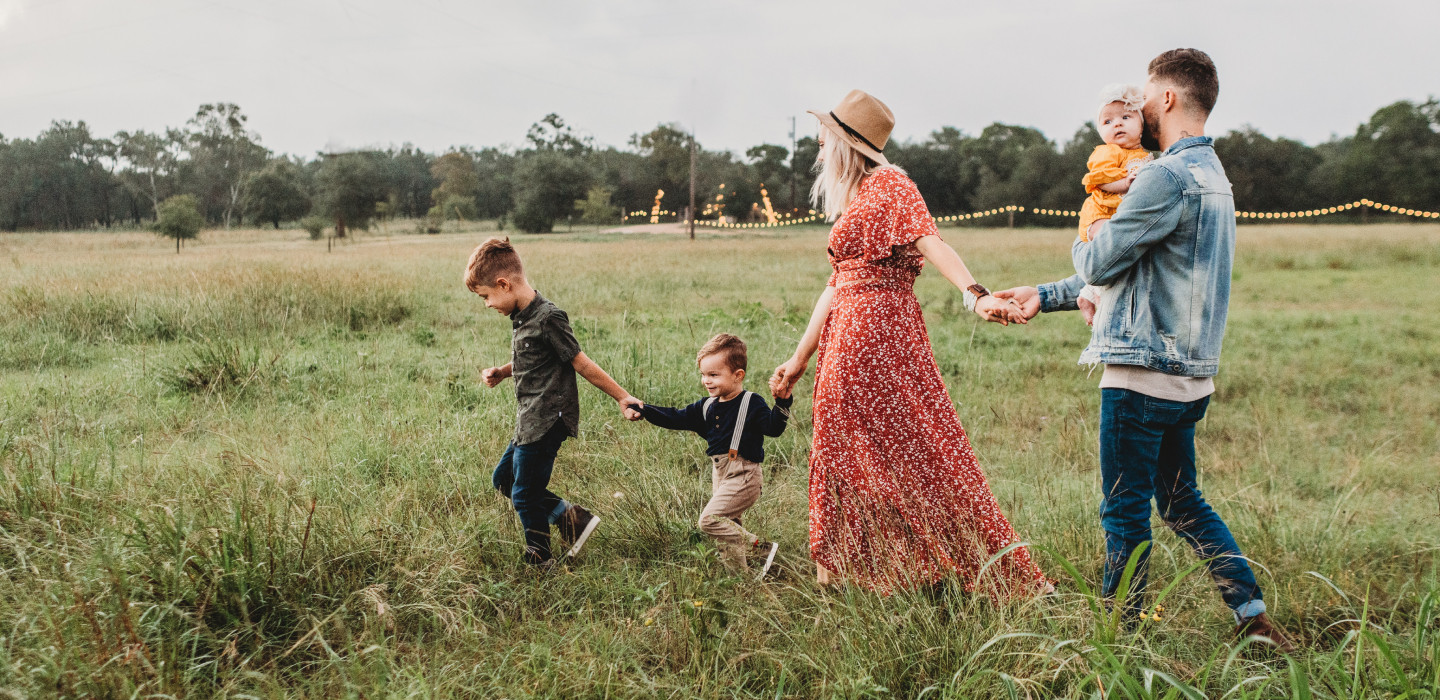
897 498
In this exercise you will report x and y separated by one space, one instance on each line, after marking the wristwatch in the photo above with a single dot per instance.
973 293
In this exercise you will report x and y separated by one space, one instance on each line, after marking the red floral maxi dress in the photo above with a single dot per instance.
896 495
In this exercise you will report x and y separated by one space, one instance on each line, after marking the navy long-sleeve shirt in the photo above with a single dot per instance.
718 428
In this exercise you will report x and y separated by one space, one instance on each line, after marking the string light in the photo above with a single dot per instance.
1307 213
1326 211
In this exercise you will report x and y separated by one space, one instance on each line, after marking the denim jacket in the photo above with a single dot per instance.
1164 260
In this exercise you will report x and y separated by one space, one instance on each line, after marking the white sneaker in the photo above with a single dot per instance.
769 560
587 522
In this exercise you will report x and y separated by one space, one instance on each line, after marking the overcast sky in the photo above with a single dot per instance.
436 73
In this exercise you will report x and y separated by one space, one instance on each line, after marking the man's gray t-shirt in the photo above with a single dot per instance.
545 388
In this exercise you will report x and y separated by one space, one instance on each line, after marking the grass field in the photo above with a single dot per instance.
258 469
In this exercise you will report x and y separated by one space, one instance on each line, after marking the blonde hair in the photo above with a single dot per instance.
491 260
727 346
838 174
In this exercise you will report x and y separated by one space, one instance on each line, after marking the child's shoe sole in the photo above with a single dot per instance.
584 535
769 561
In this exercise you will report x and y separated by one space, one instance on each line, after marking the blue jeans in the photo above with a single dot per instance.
1147 450
523 476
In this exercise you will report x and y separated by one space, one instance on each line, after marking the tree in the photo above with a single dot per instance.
942 168
408 178
495 172
547 183
349 185
1395 157
179 217
596 207
551 133
458 185
222 154
151 159
1268 174
276 193
666 150
807 150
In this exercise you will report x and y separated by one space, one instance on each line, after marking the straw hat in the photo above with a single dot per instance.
863 122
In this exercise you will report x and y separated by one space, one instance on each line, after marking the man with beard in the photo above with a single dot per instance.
1166 255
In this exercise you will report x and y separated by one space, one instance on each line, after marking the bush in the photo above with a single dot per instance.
314 225
217 366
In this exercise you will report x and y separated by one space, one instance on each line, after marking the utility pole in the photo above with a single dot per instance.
692 185
793 145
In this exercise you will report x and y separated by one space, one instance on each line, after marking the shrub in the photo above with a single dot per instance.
314 225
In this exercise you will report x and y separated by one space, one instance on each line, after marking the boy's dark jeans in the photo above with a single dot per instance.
1147 450
523 476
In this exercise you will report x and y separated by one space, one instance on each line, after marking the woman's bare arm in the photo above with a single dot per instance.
945 260
786 375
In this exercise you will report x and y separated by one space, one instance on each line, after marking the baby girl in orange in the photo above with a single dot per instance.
1112 165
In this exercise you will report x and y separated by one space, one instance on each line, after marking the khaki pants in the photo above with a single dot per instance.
735 485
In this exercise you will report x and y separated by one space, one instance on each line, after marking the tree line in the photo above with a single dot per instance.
219 173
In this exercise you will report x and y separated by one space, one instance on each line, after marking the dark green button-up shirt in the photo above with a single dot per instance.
545 390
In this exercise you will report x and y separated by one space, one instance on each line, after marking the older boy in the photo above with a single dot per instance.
545 358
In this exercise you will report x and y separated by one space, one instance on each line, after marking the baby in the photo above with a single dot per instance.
1112 165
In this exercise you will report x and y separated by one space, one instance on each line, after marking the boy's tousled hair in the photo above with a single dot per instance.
728 346
1193 72
491 260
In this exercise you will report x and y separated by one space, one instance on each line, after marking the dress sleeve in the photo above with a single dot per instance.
1106 165
899 217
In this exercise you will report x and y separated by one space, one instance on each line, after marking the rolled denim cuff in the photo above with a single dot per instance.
1050 299
1249 610
559 511
1047 297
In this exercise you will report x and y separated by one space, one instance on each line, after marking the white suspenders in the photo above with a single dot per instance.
739 419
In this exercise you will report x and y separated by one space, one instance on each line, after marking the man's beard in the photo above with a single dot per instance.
1150 132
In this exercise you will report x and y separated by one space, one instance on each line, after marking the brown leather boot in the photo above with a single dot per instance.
1262 626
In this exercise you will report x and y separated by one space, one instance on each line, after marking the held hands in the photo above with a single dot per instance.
1001 311
630 408
785 377
780 392
1027 298
494 375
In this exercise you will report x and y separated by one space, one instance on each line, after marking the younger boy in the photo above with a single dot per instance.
734 422
545 358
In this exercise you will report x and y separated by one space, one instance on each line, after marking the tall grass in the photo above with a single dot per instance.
258 469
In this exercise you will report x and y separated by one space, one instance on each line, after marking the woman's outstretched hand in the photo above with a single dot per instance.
785 377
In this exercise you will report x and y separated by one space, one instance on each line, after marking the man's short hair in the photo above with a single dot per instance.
491 260
1192 71
728 346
